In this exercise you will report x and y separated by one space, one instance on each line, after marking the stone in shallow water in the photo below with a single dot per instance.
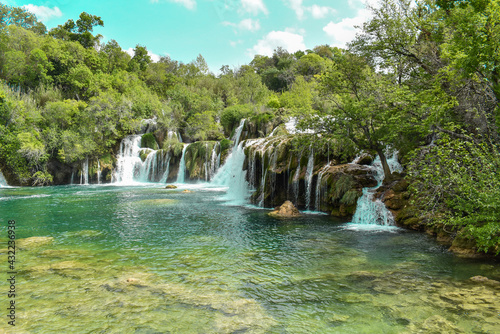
159 201
33 242
435 324
64 253
287 210
170 186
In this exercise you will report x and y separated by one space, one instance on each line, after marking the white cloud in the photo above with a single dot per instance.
246 24
43 13
296 5
154 57
235 43
344 31
189 4
320 12
253 6
288 40
317 12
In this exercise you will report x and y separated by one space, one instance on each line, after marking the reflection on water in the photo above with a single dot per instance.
147 260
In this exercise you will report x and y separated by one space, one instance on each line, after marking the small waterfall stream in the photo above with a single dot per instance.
98 172
309 176
128 160
182 166
368 210
84 174
3 182
232 175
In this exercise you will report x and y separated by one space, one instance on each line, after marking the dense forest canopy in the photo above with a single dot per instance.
422 77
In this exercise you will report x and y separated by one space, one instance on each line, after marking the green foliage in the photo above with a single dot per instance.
202 126
456 183
20 17
231 116
81 31
350 197
148 140
342 186
225 144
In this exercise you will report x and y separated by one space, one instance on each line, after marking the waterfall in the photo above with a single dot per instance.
128 160
167 170
368 210
84 174
147 172
274 161
237 133
182 166
318 186
295 182
309 176
3 182
263 180
232 175
214 162
98 172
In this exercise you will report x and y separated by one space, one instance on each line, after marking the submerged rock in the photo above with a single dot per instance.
170 186
187 191
287 210
33 242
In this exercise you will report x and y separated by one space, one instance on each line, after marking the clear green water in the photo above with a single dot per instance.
150 260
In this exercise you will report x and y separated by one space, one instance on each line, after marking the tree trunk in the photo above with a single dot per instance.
387 171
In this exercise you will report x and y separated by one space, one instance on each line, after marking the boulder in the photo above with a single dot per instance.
287 210
170 186
33 242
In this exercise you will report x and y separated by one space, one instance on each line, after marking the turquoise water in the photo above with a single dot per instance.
149 260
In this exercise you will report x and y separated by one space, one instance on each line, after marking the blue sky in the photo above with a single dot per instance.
225 32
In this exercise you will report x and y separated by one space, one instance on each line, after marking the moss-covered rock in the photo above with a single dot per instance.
148 140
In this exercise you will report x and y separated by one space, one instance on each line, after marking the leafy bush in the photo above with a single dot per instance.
456 184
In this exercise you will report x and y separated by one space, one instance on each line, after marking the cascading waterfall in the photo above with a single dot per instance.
263 180
3 182
182 166
368 210
295 182
319 187
167 169
147 171
309 176
128 160
98 172
232 175
214 162
84 174
274 161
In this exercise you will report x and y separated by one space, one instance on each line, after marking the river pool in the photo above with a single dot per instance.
143 259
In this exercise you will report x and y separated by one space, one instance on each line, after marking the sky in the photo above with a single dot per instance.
224 32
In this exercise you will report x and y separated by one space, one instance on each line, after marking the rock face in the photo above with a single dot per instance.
287 210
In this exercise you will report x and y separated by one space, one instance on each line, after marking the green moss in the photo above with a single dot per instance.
144 154
350 197
342 186
148 140
225 144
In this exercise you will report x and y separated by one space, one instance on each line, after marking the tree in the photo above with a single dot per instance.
20 17
140 60
81 31
365 108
